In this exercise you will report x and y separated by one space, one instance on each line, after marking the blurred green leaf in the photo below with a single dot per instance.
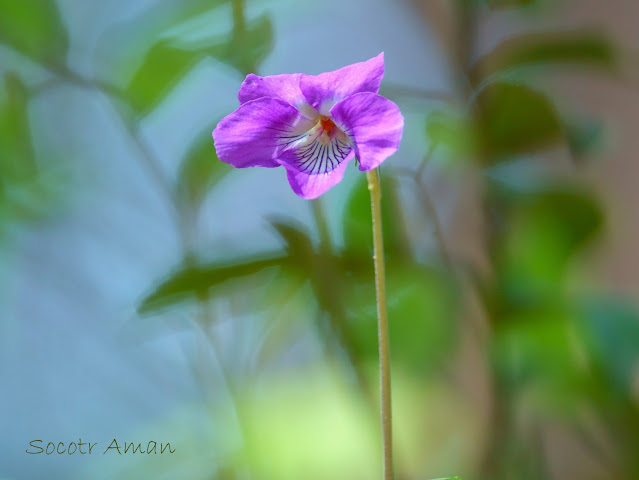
250 46
249 42
453 131
163 66
537 351
297 239
201 170
611 329
421 310
166 62
585 48
15 136
121 49
356 222
30 198
26 190
196 281
35 28
358 226
514 119
543 231
510 3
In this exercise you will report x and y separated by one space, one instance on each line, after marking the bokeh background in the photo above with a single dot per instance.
150 292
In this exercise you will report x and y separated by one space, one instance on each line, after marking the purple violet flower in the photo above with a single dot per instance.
312 125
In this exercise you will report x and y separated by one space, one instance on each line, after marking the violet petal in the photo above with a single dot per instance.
324 90
285 87
374 125
313 185
257 132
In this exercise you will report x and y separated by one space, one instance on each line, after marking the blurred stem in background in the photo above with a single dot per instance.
374 186
502 401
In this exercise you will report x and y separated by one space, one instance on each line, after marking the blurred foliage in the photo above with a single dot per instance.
495 130
168 60
548 350
509 3
165 64
249 45
504 131
27 191
545 361
541 232
421 299
610 329
34 28
200 171
573 48
552 354
196 281
17 151
357 224
451 130
421 303
163 67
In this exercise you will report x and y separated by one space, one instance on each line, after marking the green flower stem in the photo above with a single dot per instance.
374 187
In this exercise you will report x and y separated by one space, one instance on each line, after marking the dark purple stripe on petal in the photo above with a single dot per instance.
318 156
312 185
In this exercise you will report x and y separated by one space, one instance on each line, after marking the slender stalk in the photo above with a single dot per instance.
382 322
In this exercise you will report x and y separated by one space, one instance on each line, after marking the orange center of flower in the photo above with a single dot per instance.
327 124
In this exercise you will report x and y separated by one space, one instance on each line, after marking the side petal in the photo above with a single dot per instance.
257 132
374 125
285 87
324 90
312 185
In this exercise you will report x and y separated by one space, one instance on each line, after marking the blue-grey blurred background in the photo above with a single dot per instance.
149 292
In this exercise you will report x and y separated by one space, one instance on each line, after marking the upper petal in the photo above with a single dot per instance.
285 87
257 132
324 90
374 125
